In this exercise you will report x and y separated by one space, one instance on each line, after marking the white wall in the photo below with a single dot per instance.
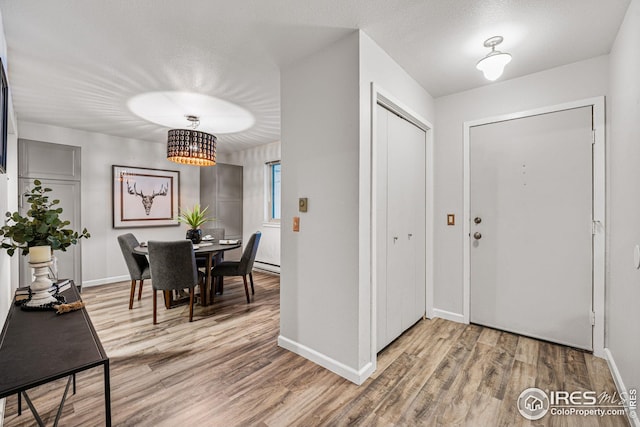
102 260
320 157
8 193
326 310
255 191
572 82
623 291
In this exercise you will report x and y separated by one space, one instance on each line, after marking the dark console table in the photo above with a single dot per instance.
37 347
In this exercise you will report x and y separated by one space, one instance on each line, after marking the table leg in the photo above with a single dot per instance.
33 409
208 281
206 291
219 285
64 396
107 395
168 299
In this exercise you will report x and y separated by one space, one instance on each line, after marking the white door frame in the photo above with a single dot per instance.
599 237
384 98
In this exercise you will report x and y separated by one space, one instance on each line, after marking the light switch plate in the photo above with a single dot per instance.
302 204
296 223
451 219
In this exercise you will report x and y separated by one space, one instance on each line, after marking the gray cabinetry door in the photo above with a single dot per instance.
221 191
58 167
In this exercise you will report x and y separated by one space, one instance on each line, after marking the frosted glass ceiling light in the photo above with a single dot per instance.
493 64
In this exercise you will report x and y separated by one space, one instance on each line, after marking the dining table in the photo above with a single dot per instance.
212 251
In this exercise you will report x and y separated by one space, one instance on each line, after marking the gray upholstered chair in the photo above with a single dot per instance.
137 264
173 267
242 267
217 234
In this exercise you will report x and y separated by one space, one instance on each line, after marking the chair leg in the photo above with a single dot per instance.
155 307
140 289
246 288
191 292
133 292
253 292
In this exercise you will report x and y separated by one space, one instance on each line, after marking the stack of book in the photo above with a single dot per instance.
24 294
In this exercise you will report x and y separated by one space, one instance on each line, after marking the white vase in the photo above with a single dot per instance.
40 261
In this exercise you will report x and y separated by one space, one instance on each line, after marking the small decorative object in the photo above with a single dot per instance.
65 308
41 227
194 218
144 197
40 296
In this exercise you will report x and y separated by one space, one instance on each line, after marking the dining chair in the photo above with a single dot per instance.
243 267
173 267
137 264
217 234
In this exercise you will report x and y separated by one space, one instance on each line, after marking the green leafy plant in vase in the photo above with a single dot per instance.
41 226
194 218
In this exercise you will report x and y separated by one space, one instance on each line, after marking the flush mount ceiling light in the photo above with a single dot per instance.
191 147
493 64
169 109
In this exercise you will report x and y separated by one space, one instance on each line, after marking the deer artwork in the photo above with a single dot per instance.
147 200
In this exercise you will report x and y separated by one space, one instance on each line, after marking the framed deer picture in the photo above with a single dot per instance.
144 197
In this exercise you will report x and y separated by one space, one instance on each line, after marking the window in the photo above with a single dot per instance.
273 191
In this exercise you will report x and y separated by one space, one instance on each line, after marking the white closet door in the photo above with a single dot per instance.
531 226
401 284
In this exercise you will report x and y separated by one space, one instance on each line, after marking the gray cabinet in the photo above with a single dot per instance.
221 191
58 167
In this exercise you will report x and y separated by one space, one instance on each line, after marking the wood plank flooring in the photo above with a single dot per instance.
225 369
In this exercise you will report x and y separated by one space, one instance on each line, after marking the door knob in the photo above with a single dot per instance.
477 220
477 235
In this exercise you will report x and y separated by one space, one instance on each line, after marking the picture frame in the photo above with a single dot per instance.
145 197
4 114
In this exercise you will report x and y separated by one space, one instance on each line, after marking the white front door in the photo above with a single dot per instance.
531 202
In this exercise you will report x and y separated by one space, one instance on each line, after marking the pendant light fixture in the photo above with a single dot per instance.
190 146
493 64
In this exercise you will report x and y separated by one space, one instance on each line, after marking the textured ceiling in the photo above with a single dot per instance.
75 63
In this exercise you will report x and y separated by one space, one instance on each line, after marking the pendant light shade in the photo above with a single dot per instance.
493 64
191 147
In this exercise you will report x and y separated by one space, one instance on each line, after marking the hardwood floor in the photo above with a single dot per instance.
225 369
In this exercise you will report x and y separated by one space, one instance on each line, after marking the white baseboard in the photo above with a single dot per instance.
634 418
448 315
357 377
267 267
105 281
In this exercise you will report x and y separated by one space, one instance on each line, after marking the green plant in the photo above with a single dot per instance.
195 217
41 227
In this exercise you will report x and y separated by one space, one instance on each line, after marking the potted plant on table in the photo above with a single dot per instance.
41 226
37 234
194 218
